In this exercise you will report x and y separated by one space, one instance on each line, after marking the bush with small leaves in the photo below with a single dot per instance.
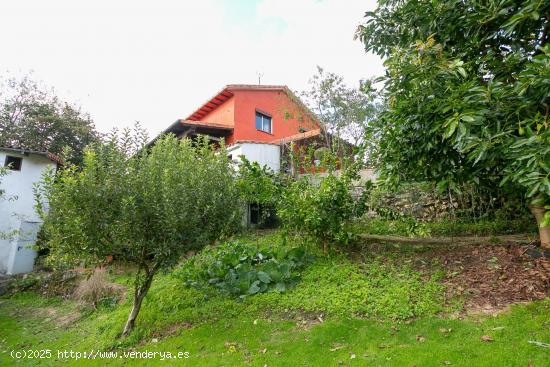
144 206
324 211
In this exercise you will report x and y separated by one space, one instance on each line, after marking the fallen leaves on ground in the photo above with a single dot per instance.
487 338
491 277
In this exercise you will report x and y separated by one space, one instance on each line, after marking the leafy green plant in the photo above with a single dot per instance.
260 186
467 93
322 211
243 270
146 207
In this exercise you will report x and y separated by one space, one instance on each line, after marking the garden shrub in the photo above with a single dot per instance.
262 188
144 206
242 270
322 212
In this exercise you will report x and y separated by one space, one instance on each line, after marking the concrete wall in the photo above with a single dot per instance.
17 211
264 154
366 174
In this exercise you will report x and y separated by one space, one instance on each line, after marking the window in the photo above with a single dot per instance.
13 163
263 122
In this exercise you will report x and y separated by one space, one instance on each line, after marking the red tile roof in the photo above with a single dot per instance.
226 93
297 137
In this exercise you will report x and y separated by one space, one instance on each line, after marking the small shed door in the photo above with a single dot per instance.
23 252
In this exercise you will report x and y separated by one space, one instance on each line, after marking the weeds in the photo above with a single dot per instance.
96 290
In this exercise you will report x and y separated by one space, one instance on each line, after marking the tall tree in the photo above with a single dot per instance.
344 112
468 91
33 116
147 207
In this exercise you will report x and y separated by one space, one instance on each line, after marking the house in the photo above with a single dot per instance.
264 123
19 222
254 120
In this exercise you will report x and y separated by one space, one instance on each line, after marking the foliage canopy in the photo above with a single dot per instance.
34 117
143 206
322 210
468 91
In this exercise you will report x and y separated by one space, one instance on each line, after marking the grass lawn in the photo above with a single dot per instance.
376 311
445 227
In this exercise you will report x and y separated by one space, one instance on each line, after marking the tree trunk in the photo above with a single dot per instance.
141 292
544 232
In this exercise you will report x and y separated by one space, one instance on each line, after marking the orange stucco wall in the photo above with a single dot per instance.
223 114
272 102
240 112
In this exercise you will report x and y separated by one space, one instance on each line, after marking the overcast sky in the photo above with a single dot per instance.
157 61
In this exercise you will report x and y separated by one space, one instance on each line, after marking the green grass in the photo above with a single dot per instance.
381 311
442 228
338 287
239 340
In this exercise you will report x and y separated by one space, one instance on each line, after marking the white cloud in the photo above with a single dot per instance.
156 61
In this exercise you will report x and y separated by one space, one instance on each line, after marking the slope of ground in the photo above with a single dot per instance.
377 305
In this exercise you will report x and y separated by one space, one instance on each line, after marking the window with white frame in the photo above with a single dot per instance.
263 122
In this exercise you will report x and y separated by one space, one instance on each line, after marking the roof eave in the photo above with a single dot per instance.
51 156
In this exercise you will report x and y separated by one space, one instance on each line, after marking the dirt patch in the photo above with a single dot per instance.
51 316
172 330
68 319
490 278
306 323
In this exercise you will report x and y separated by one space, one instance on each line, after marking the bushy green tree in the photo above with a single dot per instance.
143 206
33 116
260 186
322 207
343 112
468 91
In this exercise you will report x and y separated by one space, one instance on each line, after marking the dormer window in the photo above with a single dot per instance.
13 163
263 122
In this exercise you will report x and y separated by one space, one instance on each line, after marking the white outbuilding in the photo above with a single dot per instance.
265 154
19 222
